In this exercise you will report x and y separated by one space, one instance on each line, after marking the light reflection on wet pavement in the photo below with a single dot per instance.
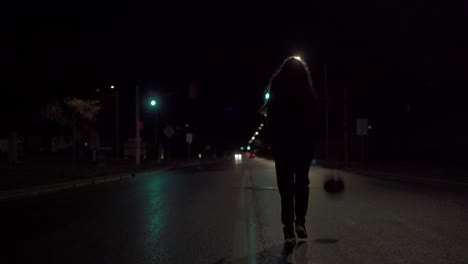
229 212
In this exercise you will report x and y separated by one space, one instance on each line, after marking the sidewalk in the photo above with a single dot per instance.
426 174
97 178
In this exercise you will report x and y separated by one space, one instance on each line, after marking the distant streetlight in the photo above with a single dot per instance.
297 58
261 124
256 133
253 138
117 135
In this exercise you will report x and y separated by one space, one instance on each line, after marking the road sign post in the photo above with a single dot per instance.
169 132
189 140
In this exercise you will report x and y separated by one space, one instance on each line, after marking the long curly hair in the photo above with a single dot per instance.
290 86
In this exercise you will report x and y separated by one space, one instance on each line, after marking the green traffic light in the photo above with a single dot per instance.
153 102
267 96
248 147
241 148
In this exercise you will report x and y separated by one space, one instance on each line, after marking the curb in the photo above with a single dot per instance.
403 178
393 176
71 185
36 191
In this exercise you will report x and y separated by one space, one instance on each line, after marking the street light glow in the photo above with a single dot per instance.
261 124
253 138
153 102
256 133
297 58
112 86
267 96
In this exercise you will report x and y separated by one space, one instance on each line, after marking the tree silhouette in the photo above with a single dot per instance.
71 113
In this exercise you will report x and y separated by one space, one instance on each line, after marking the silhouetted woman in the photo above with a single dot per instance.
292 118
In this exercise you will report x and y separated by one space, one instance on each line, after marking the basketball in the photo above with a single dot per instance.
334 185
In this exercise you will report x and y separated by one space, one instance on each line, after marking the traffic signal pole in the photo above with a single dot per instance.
346 125
326 112
137 127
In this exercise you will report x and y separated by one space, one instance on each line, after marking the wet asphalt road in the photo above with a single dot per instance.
228 212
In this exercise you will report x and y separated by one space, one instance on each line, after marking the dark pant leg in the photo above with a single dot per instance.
301 169
285 180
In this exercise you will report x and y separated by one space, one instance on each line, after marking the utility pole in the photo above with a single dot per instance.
117 135
189 150
137 127
346 125
156 142
326 112
169 149
362 130
362 148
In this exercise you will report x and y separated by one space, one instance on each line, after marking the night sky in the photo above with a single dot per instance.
389 55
